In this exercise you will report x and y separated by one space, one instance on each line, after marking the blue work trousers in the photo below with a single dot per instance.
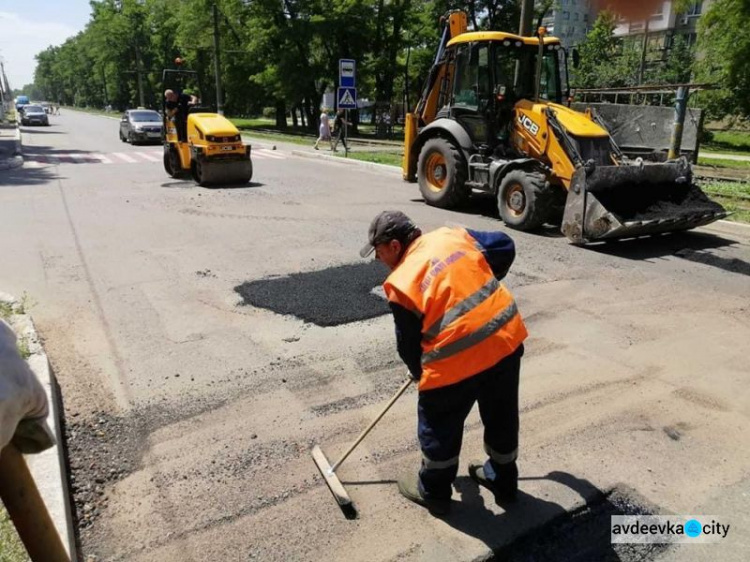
441 415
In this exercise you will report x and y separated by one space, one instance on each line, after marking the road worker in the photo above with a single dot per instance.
460 334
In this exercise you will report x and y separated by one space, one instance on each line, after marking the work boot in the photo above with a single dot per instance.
504 487
408 486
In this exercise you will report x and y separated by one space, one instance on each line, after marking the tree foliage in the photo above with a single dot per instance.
724 44
611 62
284 53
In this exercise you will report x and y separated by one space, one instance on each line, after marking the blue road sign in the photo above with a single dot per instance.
347 98
347 73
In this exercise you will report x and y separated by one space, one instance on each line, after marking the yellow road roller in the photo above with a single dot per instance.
198 142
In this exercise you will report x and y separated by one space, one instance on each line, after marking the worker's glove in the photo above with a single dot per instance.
414 377
23 402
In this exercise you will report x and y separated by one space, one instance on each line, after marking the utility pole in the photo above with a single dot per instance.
680 108
644 47
138 73
527 18
217 65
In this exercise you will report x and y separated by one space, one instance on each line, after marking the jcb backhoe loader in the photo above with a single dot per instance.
491 119
202 143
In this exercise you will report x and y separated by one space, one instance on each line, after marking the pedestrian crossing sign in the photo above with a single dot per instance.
347 98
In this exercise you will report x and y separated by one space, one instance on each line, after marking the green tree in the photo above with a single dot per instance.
678 68
597 52
724 47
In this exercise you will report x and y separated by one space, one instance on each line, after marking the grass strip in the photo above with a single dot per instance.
729 141
733 196
722 163
388 158
11 548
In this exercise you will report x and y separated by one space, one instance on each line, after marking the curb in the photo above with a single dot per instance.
371 165
48 467
16 159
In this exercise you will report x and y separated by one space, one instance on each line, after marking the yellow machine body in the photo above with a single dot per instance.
213 153
492 117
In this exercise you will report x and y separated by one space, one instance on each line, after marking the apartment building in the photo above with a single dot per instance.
570 20
663 26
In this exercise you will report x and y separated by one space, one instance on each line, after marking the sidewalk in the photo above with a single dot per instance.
47 468
325 153
723 156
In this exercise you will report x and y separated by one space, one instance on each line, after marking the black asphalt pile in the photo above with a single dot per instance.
329 297
662 201
584 535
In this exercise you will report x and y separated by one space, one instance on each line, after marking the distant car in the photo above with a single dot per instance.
34 115
21 101
140 125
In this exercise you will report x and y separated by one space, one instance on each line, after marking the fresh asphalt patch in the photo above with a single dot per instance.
329 297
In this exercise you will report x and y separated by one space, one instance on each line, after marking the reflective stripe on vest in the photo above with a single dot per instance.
480 335
469 320
462 308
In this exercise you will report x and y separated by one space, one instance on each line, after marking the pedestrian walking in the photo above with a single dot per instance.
460 334
338 130
324 129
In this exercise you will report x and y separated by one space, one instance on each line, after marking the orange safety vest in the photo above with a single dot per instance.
469 319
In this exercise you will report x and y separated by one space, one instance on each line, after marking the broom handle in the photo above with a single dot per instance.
362 435
27 510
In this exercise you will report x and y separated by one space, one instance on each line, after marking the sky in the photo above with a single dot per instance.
27 27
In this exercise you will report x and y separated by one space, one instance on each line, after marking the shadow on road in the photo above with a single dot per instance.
692 246
534 529
28 176
41 131
190 184
248 185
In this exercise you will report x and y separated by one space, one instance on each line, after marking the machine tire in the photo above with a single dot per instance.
130 138
196 169
442 174
250 177
171 163
525 199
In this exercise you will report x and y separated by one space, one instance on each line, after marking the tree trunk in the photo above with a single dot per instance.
280 114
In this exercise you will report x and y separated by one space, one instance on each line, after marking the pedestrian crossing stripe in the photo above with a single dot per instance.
141 157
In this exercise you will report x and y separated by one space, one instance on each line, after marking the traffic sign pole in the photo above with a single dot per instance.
347 94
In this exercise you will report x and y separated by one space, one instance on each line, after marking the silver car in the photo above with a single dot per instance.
34 115
140 125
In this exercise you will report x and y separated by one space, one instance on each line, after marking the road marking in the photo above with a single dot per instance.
41 160
268 153
125 157
102 159
148 156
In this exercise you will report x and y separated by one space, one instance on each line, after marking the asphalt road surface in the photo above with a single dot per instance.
191 411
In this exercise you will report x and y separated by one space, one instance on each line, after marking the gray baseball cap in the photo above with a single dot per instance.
387 226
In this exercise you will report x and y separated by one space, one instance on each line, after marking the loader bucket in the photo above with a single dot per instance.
607 202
